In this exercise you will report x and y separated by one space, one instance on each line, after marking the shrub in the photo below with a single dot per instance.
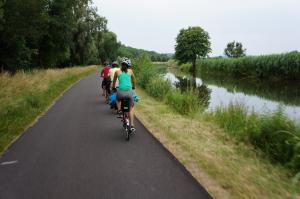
186 103
144 70
158 88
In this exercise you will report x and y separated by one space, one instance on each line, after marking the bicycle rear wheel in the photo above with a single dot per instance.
127 133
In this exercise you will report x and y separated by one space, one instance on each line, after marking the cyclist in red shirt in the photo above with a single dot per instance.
106 81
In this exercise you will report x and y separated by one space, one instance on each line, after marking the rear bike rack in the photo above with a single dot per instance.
125 110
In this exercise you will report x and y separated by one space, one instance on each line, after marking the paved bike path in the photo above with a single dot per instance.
77 151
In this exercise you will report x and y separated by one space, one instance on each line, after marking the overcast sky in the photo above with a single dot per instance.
263 26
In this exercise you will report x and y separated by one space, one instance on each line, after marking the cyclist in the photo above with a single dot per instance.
127 83
112 71
106 81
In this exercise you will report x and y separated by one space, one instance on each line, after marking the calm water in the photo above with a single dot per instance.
257 96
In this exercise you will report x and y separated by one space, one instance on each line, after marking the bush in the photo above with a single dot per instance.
158 88
144 70
186 103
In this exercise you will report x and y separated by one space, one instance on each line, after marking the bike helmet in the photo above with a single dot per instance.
126 61
115 63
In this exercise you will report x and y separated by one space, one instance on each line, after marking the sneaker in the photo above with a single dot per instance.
132 129
119 114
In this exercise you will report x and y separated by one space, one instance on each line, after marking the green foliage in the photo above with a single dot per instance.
281 66
233 119
192 43
108 46
158 88
133 53
277 136
144 70
186 103
43 33
2 2
273 133
187 67
235 50
23 26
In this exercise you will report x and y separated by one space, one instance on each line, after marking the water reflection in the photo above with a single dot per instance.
256 96
281 91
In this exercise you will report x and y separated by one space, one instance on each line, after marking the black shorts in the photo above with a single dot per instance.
105 83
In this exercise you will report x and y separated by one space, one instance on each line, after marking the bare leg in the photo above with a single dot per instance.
119 104
106 96
131 116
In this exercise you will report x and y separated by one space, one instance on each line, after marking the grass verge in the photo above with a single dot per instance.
226 167
24 96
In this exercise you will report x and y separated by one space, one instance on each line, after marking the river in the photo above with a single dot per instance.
259 96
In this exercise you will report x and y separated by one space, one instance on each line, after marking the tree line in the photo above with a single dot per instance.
57 33
53 33
126 51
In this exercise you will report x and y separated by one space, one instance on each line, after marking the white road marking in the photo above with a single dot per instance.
8 163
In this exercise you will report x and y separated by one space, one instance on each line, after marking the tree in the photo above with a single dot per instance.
22 26
87 35
2 2
235 50
54 48
53 33
192 43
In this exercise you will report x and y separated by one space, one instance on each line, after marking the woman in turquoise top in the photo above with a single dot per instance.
126 86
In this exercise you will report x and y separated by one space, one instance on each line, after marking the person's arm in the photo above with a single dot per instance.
115 79
102 72
133 80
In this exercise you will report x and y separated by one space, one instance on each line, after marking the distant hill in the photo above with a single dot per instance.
127 51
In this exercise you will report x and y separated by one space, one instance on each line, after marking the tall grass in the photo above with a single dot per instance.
186 103
281 66
26 95
272 133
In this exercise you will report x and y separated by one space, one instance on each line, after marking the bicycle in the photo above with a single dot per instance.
125 107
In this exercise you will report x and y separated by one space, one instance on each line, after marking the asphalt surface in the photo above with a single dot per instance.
78 150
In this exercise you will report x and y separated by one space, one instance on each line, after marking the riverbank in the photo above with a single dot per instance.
226 167
26 95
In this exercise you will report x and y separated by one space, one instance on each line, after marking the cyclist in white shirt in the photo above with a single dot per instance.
112 71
